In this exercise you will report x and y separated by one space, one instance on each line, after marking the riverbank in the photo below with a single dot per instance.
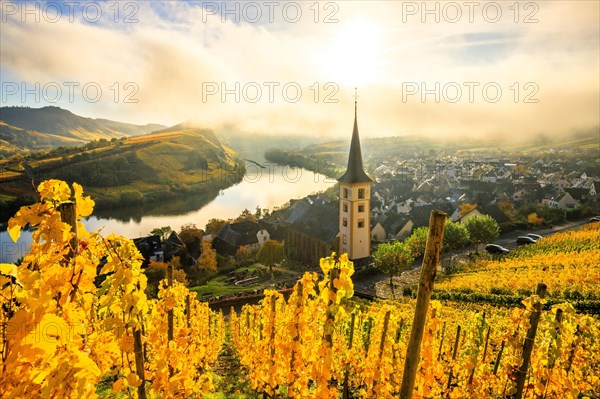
297 160
131 173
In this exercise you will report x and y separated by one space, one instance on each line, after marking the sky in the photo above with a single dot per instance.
432 68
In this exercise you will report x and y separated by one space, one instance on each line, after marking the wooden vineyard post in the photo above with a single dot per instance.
272 332
248 323
139 362
367 336
188 311
441 342
334 273
499 357
68 216
573 348
485 347
386 321
271 343
551 358
297 309
395 356
399 331
430 260
384 331
346 393
529 341
170 313
472 374
454 352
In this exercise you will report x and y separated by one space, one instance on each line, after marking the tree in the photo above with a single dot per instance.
417 241
163 232
208 258
205 266
482 228
157 271
508 208
270 253
393 258
191 236
456 235
214 225
132 197
465 208
552 215
244 255
246 216
189 233
534 219
527 209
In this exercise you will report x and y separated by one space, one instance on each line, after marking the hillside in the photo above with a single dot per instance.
566 262
169 164
27 129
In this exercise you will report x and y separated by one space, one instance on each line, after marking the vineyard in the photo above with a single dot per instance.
76 323
567 262
320 344
75 315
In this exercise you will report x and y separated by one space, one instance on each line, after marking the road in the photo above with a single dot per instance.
509 240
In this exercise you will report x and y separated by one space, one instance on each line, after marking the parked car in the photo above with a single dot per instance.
496 249
594 219
524 240
534 236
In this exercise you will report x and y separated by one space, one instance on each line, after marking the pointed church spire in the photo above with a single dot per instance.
355 172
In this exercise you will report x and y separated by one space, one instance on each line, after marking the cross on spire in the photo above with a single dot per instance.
355 100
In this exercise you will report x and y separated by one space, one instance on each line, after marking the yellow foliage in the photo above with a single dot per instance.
316 340
60 334
534 219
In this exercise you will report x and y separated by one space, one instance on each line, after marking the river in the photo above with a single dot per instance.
270 187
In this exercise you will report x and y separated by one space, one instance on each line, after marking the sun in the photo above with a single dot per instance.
354 53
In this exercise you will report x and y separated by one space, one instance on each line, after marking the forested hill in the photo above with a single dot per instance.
173 163
23 129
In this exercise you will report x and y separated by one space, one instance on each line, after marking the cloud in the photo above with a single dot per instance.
189 61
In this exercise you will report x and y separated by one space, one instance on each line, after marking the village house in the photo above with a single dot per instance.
563 200
491 210
233 236
311 231
150 248
391 226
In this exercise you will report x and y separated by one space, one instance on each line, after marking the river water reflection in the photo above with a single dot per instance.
266 187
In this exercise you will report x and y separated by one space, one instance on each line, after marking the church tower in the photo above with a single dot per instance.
355 203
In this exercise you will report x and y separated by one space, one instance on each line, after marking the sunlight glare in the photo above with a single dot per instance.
354 53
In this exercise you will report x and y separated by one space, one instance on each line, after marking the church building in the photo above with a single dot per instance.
355 203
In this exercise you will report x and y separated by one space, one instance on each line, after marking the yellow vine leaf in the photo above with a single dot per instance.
8 269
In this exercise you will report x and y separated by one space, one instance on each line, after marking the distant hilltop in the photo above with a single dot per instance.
149 170
30 129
